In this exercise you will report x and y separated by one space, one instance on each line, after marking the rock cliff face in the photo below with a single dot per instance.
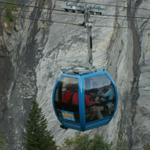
32 54
21 48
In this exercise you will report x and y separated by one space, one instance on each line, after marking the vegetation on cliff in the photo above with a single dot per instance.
147 147
37 136
2 141
10 11
85 142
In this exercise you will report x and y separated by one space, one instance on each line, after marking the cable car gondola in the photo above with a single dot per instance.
84 101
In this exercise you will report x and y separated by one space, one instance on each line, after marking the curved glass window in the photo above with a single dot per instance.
66 99
99 98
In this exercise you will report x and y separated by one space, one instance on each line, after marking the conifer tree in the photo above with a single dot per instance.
2 141
37 136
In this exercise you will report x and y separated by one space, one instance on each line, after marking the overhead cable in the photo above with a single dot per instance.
69 23
107 15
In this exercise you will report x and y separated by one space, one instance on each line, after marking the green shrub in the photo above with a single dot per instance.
2 141
147 147
9 11
122 148
84 142
98 144
37 136
122 144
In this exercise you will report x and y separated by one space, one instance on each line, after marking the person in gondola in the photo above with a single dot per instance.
92 108
106 96
71 100
70 97
88 99
66 97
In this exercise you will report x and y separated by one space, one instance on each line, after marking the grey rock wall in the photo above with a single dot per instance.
22 46
33 53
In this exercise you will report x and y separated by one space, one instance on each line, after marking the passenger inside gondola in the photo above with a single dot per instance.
67 100
106 95
94 111
103 96
71 98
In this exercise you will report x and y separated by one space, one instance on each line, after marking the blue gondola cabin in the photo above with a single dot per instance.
85 101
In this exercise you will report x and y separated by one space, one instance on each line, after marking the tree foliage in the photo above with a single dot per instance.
147 147
2 141
37 136
10 10
85 142
122 145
